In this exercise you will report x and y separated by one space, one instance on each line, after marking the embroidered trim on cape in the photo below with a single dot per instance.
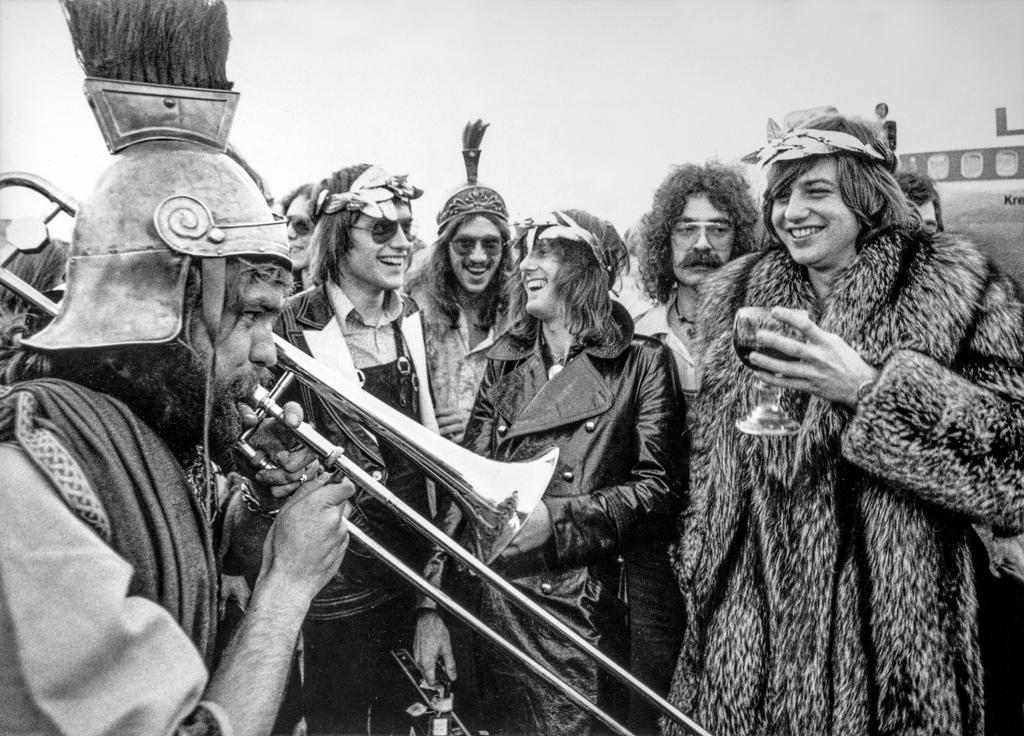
57 464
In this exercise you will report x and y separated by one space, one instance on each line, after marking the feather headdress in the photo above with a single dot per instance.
472 197
139 54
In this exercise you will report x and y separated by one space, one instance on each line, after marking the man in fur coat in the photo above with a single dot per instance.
827 574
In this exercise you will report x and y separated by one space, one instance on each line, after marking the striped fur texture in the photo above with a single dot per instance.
828 581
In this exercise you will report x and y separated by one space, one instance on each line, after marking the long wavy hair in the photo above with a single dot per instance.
724 187
581 284
444 286
330 237
867 186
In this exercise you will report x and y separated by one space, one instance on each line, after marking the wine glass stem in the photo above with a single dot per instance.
769 395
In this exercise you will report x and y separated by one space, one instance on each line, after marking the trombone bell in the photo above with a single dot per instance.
496 498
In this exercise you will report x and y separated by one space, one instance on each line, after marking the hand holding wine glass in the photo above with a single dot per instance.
767 417
812 360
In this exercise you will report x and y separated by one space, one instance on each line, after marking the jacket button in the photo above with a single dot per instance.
546 588
590 426
502 430
568 476
377 475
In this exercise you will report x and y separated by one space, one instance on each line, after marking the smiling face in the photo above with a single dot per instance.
373 267
702 240
814 223
475 254
537 273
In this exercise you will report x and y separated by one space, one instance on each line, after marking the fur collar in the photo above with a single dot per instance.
898 293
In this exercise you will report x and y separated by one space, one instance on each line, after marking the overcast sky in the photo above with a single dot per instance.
590 102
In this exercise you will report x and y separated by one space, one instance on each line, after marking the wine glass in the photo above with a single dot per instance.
767 418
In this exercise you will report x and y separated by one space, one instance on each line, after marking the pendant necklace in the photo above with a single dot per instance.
556 365
688 325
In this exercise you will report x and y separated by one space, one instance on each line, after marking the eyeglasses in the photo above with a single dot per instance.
382 231
464 246
690 232
301 224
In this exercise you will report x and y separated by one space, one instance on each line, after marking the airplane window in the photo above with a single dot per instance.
938 166
1006 163
971 165
911 164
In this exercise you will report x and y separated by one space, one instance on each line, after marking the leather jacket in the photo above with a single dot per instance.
617 416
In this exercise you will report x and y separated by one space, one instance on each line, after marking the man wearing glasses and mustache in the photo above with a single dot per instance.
701 218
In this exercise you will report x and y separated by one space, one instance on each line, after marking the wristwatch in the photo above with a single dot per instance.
865 387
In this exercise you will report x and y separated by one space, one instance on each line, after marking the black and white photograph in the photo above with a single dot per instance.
511 368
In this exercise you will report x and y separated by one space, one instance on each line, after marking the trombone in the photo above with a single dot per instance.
464 474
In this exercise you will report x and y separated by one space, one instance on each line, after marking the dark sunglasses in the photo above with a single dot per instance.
464 246
301 224
382 231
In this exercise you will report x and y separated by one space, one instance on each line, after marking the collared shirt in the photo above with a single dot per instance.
455 368
654 323
368 344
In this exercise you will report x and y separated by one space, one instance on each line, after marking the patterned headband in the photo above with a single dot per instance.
552 228
804 142
373 194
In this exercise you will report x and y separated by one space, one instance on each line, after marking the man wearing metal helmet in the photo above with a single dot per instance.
108 576
568 372
356 321
460 291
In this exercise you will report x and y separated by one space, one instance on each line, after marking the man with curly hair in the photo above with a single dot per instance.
701 218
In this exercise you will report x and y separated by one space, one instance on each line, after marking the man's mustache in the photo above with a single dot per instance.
702 258
244 386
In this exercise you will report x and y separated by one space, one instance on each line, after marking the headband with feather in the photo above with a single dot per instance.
472 197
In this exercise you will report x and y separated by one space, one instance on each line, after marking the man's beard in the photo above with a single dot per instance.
170 396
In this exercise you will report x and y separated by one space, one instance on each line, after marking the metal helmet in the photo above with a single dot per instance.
172 194
472 197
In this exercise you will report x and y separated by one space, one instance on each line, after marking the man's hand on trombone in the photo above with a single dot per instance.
294 464
308 537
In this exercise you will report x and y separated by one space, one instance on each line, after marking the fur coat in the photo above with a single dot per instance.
827 576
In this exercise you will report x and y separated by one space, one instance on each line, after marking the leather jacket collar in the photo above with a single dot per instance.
536 404
313 309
